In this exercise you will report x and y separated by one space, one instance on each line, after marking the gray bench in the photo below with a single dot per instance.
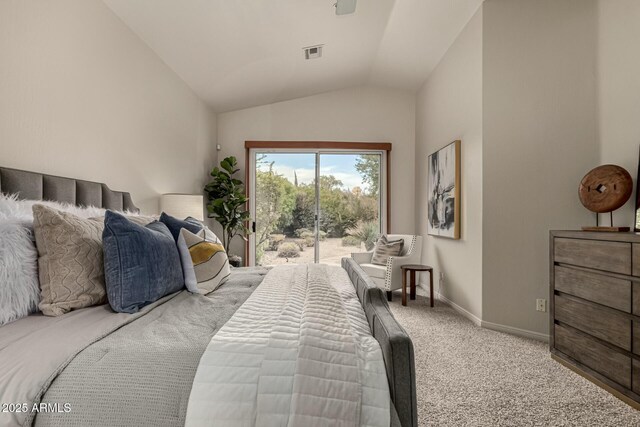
397 348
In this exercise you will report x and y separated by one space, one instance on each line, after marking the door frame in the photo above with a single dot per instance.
301 146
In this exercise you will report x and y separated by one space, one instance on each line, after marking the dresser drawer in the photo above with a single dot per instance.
635 301
609 256
636 259
608 362
595 320
635 381
609 291
636 337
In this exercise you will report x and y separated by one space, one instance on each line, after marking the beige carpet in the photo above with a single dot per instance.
471 376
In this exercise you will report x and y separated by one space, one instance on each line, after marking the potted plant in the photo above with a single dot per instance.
227 202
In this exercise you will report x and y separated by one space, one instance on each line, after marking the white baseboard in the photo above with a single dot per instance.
475 319
515 331
489 325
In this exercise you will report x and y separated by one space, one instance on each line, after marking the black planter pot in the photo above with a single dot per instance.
235 261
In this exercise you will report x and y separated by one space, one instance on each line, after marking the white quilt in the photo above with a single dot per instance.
298 352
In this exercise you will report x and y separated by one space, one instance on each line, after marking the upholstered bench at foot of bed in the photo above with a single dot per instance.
397 347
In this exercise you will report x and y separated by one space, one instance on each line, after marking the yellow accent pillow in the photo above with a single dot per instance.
203 251
208 258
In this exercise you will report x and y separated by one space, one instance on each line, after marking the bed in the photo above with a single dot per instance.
166 364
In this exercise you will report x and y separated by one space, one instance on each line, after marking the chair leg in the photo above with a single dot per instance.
389 295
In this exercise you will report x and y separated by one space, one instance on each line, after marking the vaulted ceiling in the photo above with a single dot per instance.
241 53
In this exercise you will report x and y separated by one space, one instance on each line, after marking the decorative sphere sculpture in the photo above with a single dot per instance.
605 188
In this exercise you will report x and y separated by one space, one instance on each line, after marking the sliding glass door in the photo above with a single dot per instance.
283 208
313 205
349 204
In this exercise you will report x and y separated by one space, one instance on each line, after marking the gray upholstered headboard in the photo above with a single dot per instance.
37 186
397 347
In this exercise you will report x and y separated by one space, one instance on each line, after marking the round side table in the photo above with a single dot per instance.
411 269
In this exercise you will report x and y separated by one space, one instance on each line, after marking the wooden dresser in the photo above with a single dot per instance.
595 308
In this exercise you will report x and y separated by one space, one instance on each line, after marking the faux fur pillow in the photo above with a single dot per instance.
22 210
19 291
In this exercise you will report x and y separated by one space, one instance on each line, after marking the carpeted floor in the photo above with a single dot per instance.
471 376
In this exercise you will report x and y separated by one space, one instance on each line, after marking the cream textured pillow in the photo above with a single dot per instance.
385 249
69 259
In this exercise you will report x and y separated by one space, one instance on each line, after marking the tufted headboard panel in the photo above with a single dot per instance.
37 186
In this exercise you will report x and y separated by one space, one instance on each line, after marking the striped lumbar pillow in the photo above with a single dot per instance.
385 249
208 257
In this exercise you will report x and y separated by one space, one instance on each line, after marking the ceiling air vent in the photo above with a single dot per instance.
345 7
312 52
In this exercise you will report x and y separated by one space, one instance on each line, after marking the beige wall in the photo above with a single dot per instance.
449 107
356 114
618 73
538 92
82 96
539 139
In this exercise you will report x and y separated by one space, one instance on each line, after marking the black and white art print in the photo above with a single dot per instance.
443 197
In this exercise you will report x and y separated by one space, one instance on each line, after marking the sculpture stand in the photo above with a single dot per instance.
603 228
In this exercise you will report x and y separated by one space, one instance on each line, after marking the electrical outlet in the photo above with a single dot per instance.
541 305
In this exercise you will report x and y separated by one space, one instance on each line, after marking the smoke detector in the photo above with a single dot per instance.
313 52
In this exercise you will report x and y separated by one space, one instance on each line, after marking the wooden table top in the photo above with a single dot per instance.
416 267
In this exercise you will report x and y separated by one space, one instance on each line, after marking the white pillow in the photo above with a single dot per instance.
21 210
19 286
204 260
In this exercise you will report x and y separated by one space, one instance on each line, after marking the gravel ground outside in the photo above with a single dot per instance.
331 252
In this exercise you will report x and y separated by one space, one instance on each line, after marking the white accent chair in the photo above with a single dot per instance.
389 277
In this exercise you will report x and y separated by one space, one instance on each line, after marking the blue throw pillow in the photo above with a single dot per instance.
141 263
175 225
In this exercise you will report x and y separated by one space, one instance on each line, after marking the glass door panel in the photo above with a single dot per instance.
349 204
285 208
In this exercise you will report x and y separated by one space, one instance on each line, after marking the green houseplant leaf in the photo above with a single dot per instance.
227 201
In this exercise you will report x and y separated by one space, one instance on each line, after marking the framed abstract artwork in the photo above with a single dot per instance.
443 197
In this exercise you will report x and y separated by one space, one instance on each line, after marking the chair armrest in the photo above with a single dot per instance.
394 266
362 257
398 261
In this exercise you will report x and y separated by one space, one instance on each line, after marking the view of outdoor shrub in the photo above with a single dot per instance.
322 235
300 243
289 250
275 240
350 241
302 232
366 232
309 241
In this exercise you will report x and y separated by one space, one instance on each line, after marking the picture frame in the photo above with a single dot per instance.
443 192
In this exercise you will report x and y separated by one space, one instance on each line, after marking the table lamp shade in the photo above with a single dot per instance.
183 205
